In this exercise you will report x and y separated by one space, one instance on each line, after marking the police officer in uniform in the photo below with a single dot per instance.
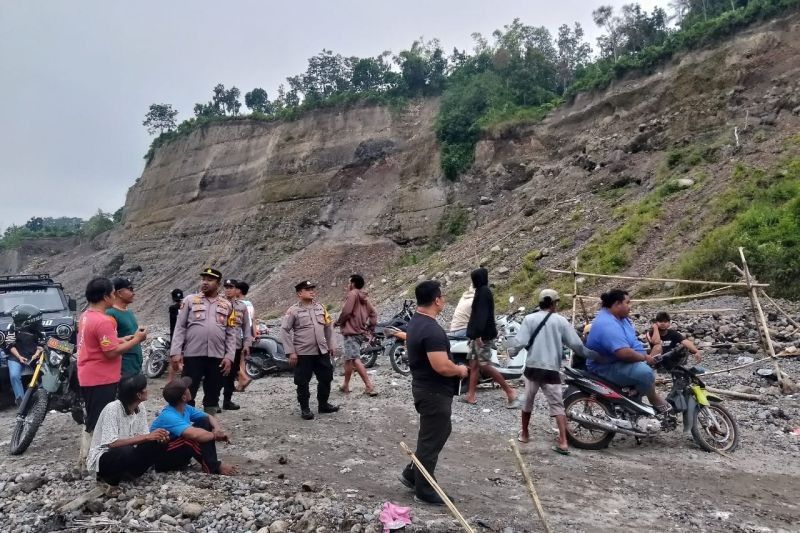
307 332
204 342
240 320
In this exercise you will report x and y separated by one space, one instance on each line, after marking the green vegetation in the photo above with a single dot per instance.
453 223
48 227
760 212
525 284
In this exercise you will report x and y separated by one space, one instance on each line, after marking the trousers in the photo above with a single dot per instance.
180 452
206 370
320 366
129 461
434 429
229 381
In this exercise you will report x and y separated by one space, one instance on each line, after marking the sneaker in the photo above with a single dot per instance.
306 414
228 405
328 408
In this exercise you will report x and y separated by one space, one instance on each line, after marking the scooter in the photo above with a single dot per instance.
267 356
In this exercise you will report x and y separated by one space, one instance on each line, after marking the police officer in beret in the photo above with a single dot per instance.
307 335
204 342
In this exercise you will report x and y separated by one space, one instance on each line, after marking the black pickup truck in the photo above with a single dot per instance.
58 320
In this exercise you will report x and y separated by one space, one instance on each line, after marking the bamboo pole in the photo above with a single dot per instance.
640 278
437 488
734 394
574 304
79 502
695 296
526 475
779 308
785 384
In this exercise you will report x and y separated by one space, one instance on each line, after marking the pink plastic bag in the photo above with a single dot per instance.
394 517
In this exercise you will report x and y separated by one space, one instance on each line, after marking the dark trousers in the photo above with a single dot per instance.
207 370
434 428
320 366
127 462
179 453
229 381
96 398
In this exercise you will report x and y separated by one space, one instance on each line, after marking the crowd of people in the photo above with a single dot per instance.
213 332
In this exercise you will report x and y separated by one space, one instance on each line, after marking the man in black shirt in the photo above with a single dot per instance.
434 381
177 298
669 338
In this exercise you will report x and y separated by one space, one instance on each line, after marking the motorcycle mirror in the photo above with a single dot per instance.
511 299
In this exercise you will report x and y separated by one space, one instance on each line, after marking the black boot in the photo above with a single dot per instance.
305 413
228 405
328 408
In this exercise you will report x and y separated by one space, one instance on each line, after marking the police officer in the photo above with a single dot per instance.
307 337
204 342
240 321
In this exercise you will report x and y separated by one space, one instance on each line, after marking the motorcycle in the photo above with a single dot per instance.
383 343
266 356
395 349
156 360
597 409
53 386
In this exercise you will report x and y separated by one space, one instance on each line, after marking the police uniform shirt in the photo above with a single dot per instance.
306 330
240 321
203 330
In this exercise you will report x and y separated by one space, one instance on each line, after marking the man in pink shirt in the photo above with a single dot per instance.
100 354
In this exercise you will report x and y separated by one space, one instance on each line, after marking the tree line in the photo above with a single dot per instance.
42 227
519 73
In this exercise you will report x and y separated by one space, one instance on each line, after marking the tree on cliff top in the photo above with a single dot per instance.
160 118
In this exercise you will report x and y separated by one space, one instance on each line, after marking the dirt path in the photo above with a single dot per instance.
665 483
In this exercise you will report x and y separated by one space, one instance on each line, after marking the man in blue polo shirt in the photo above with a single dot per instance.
626 361
192 432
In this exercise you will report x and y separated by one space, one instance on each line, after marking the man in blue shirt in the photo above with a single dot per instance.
192 432
626 361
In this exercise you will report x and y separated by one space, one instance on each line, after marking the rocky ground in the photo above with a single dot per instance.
335 472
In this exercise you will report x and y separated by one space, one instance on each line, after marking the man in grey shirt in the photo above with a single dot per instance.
543 363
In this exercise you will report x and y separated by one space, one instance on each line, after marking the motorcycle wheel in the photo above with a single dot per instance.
398 357
27 423
583 437
252 370
708 437
156 364
369 354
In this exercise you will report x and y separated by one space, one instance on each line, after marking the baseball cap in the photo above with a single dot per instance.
211 272
122 283
305 284
173 391
549 293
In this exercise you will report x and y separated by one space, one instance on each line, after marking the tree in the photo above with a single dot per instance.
116 218
611 43
231 101
160 118
371 73
99 223
572 53
35 224
258 101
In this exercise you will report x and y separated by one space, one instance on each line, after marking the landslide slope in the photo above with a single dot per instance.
361 189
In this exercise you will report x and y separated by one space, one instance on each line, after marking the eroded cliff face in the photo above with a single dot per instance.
342 191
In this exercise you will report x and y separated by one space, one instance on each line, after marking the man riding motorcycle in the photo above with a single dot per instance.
23 345
612 335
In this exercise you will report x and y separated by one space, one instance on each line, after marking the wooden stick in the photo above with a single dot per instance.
79 502
526 475
734 394
786 386
779 308
437 488
695 296
640 278
574 304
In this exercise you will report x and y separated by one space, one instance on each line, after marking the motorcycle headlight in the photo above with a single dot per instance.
63 331
55 357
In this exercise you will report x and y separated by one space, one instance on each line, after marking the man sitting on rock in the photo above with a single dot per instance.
192 432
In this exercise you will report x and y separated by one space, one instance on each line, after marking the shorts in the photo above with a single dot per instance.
553 393
352 347
639 375
483 354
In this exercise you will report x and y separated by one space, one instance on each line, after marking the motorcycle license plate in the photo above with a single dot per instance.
61 346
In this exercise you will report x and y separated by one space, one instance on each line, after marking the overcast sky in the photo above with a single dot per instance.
78 75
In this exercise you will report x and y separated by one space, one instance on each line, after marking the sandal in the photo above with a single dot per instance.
521 438
560 450
343 390
371 392
464 400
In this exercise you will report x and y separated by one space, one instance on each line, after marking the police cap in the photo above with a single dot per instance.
211 273
305 284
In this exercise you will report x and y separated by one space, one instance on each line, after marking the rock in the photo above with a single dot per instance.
189 528
31 484
684 183
95 506
744 360
503 270
191 510
494 249
310 486
278 526
167 519
485 200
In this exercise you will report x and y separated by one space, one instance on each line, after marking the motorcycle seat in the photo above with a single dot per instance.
583 373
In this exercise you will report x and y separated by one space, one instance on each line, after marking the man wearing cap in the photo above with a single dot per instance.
192 432
307 337
545 333
204 342
127 324
240 321
174 308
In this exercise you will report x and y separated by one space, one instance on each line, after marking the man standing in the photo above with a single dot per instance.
357 321
544 334
458 325
434 382
244 288
192 433
482 330
126 324
240 321
204 343
177 299
306 333
100 355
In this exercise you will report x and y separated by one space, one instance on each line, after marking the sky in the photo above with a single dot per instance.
81 74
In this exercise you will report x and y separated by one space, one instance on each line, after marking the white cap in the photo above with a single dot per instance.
548 293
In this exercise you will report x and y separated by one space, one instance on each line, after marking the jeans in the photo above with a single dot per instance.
15 369
638 374
320 366
434 429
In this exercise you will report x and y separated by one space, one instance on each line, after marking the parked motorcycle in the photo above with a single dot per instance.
395 349
156 359
597 409
267 356
380 342
53 386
